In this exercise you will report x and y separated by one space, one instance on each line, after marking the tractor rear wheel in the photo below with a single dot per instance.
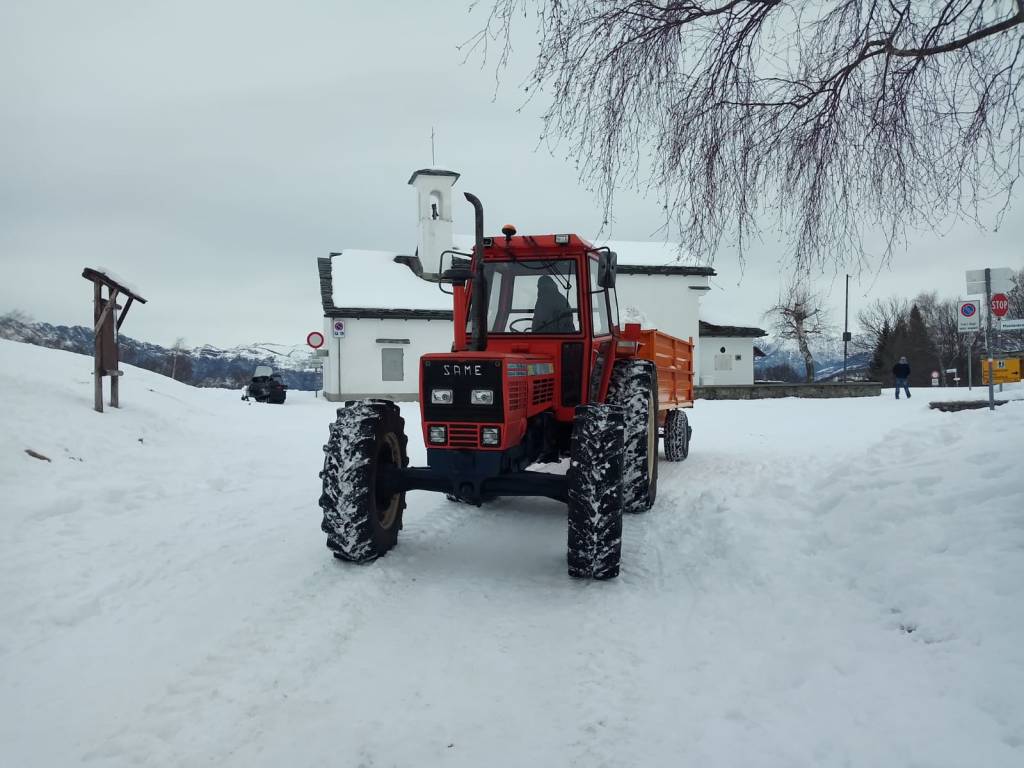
634 387
595 492
360 517
677 435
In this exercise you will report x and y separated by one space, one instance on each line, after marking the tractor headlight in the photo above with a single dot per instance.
490 435
482 397
438 435
441 396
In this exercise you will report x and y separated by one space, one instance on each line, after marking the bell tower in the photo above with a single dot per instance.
434 205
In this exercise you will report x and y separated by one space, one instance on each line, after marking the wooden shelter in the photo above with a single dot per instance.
106 323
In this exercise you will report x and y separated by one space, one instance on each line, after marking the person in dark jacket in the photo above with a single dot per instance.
552 313
901 371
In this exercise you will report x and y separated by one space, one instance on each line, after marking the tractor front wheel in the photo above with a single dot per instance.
361 517
595 492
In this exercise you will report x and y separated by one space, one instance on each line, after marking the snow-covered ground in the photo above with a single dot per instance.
822 583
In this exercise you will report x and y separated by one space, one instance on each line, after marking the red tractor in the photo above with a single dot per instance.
540 371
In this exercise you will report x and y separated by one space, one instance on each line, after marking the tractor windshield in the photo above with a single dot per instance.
532 297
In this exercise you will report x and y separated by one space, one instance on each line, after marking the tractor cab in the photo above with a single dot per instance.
547 285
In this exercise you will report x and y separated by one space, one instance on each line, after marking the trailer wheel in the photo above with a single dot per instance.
361 519
634 387
595 492
677 435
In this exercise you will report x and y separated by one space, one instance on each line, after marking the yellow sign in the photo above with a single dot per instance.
1005 370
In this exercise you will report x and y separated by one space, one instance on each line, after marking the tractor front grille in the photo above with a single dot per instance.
463 436
516 395
543 391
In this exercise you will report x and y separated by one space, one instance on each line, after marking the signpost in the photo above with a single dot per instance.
846 327
339 329
1015 324
986 281
315 339
981 281
935 378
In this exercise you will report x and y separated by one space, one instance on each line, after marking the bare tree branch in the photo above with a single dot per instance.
843 123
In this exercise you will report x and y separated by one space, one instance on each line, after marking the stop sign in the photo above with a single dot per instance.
1000 304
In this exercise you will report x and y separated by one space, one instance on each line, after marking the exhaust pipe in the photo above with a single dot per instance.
479 341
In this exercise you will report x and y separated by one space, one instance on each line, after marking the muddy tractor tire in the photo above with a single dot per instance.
634 388
595 492
677 435
361 519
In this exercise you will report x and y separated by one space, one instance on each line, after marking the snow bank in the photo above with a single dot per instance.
822 583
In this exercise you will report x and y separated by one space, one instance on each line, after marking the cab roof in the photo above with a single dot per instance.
535 246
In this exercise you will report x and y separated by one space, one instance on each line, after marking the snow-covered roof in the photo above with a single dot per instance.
433 172
734 305
378 282
634 254
714 331
639 257
373 280
119 281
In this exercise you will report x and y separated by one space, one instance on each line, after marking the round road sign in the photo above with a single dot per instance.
967 309
315 339
1000 304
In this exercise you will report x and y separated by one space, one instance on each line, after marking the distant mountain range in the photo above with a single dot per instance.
205 366
828 362
209 366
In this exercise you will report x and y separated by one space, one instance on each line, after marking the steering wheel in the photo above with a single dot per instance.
512 325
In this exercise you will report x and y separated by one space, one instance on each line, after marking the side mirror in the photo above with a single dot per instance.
458 272
607 265
453 269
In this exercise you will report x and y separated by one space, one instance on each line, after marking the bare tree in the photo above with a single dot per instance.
180 351
951 347
879 319
799 317
837 120
1016 295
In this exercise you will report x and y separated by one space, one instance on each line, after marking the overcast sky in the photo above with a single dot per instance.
210 151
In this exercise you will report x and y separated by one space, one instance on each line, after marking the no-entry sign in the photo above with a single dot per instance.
315 339
1000 304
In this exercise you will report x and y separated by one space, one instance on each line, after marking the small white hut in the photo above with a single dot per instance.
727 353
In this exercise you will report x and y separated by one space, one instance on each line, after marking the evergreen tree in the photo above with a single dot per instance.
878 369
919 350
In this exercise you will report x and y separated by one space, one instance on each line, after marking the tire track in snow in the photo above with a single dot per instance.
282 645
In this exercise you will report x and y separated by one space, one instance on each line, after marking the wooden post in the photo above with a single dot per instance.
97 368
127 306
114 375
107 320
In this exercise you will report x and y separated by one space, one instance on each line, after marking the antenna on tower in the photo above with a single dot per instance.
433 159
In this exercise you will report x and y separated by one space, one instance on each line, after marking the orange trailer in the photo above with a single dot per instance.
674 360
